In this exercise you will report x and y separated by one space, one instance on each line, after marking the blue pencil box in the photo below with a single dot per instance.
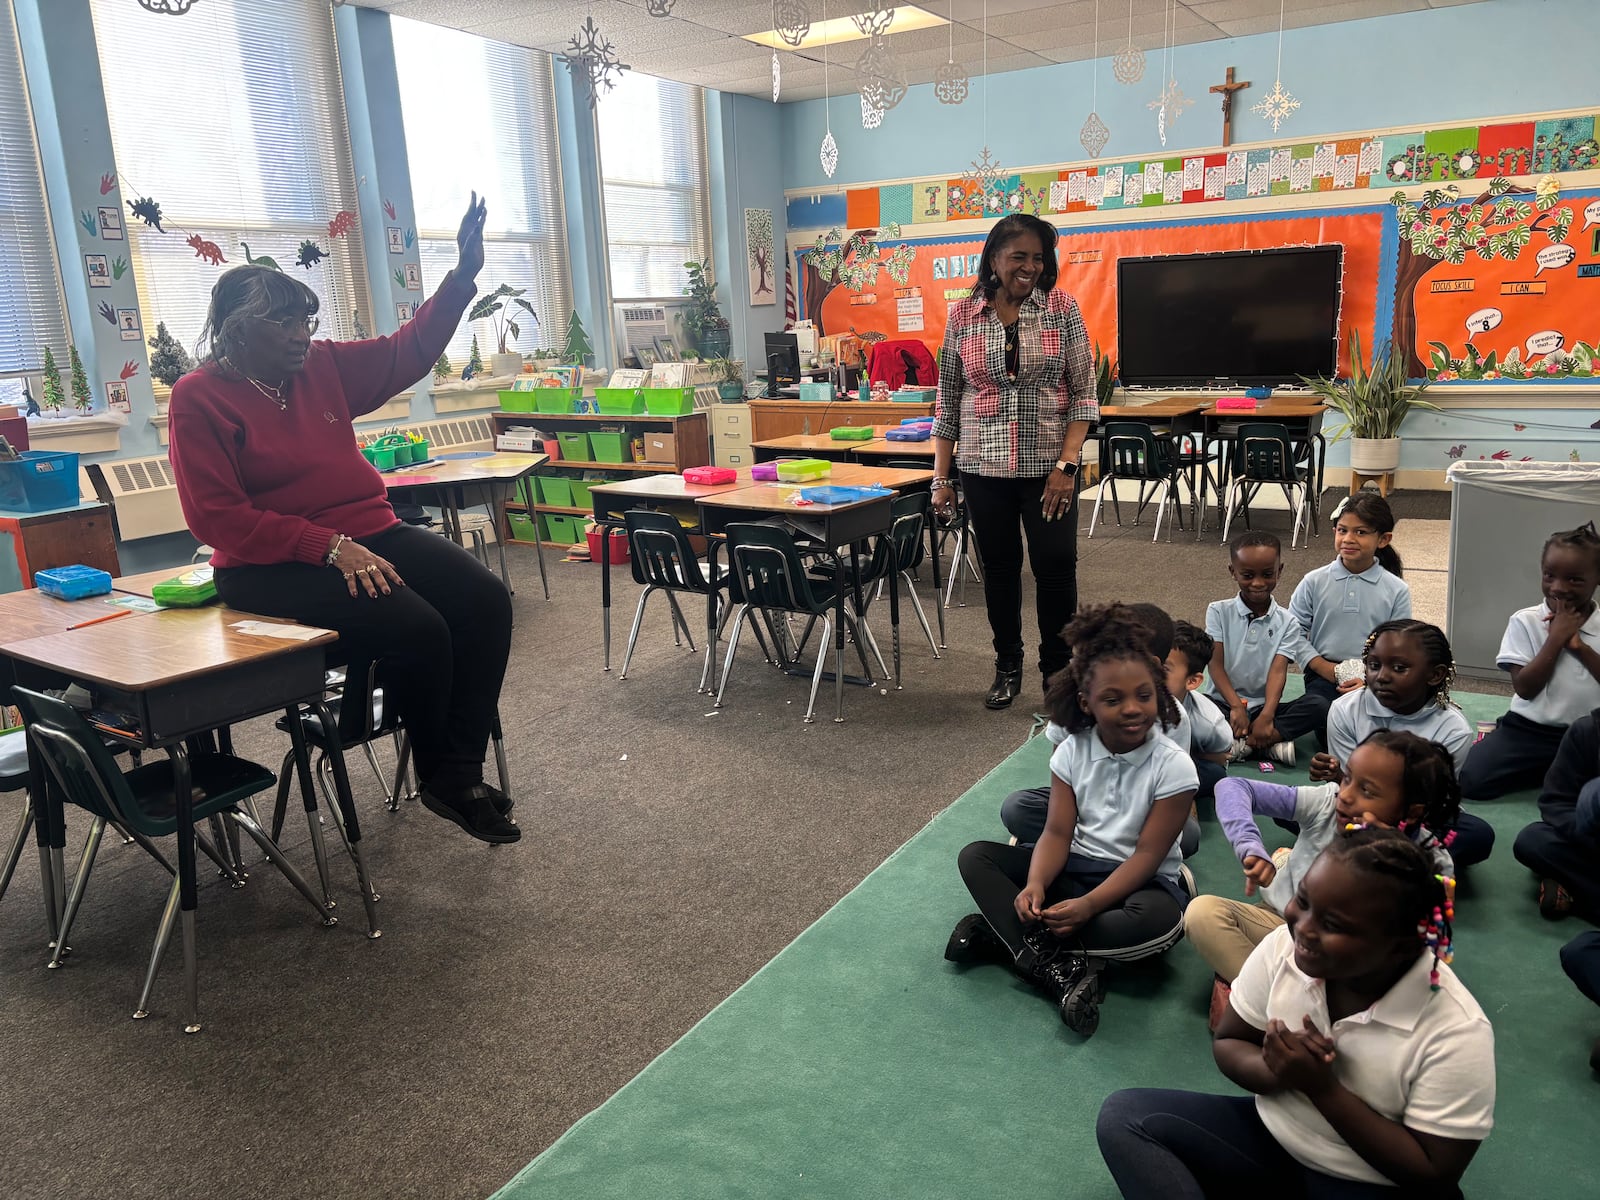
909 433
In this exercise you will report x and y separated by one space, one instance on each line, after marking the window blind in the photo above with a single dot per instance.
480 116
653 164
32 308
240 136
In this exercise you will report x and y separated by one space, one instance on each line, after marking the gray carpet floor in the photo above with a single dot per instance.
669 850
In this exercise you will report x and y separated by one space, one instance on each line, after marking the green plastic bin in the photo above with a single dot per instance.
556 490
516 401
553 400
562 529
668 402
621 402
608 447
523 527
575 447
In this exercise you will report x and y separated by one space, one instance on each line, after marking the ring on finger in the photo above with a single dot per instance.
349 574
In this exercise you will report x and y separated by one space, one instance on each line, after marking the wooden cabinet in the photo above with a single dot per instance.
779 418
61 537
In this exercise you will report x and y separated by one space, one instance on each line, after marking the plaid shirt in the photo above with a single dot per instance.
1014 428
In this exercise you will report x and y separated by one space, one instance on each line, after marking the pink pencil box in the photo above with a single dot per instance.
710 475
1236 404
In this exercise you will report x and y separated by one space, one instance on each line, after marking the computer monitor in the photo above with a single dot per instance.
783 361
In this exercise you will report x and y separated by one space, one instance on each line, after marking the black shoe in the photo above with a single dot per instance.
475 811
973 941
1006 687
503 804
1080 1005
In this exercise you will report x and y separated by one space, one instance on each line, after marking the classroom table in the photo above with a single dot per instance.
1173 418
184 673
811 445
883 450
1304 420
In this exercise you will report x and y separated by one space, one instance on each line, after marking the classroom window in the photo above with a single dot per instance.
232 119
653 162
480 116
32 309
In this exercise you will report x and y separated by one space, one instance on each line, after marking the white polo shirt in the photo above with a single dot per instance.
1115 792
1250 643
1572 692
1356 714
1338 610
1419 1057
1209 731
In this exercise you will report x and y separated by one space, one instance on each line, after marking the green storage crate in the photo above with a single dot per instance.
556 490
581 497
524 528
554 400
620 402
668 402
574 447
608 447
562 529
516 401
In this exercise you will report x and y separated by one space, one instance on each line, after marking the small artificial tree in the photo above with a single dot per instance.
441 369
82 397
54 398
578 348
499 306
169 361
475 363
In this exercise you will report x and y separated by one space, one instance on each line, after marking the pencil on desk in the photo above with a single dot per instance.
126 612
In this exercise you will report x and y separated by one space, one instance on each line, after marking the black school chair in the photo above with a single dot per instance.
1263 454
142 802
663 560
1133 451
14 778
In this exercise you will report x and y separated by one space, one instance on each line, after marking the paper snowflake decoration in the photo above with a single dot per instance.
777 77
950 83
1169 107
829 155
1127 64
590 53
882 80
659 8
875 21
987 173
1276 105
793 21
1094 135
871 116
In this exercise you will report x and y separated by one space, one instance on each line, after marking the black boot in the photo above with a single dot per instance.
1007 683
973 941
1073 981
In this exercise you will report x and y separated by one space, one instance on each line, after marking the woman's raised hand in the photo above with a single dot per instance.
469 239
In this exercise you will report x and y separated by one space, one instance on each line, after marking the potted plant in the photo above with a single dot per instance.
500 307
1105 377
1374 401
703 319
729 374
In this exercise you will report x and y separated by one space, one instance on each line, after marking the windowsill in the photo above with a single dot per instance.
465 400
395 411
88 435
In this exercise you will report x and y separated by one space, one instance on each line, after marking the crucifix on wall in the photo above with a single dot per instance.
1227 88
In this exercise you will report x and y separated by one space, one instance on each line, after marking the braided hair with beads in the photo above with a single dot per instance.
1434 645
1104 633
1424 899
1428 778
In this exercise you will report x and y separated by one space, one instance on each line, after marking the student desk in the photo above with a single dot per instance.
883 450
810 445
1303 417
183 673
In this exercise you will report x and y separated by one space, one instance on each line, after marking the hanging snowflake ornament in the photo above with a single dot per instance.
871 115
829 155
793 21
1094 135
659 8
987 173
950 83
590 53
1169 107
875 21
1127 64
777 77
1276 105
882 80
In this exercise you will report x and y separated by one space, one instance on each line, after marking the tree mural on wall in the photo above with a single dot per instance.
758 248
854 262
1443 228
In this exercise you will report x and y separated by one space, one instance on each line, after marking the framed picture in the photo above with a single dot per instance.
647 356
413 277
397 243
99 270
117 396
111 224
667 349
128 324
404 311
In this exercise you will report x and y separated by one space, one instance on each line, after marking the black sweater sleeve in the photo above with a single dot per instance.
1576 763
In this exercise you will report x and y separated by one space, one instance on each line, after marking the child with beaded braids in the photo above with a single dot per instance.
1409 669
1372 1065
1103 882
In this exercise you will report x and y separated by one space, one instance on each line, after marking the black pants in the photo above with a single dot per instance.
1580 959
1001 511
441 641
1307 713
1023 813
1512 757
1570 859
1147 922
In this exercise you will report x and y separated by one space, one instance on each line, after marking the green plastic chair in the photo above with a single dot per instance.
142 803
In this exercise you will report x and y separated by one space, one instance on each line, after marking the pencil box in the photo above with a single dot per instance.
840 494
764 472
803 470
909 433
851 433
1236 404
710 475
189 590
72 583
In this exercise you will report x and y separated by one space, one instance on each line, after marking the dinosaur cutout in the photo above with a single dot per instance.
310 255
263 261
209 251
148 211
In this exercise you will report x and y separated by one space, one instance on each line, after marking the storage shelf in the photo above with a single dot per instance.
547 545
565 510
647 468
592 418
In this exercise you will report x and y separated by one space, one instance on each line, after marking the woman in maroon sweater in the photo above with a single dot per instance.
270 475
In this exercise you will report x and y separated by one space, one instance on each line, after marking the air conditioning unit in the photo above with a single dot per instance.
143 494
461 433
639 324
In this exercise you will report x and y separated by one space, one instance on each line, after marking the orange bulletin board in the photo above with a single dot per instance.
944 270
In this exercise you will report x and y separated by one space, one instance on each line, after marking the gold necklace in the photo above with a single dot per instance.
275 394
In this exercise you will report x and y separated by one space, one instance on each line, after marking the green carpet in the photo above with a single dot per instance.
858 1063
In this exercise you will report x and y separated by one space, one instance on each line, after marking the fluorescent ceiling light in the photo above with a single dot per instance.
843 29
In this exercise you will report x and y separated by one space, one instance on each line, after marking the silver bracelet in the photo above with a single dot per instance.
332 557
942 481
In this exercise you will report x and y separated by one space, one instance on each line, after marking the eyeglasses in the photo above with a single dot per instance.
294 324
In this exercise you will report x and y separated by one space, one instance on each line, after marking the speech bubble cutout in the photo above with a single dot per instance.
1552 257
1545 342
1484 320
1591 213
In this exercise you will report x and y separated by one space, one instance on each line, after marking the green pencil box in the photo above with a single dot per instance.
851 433
191 589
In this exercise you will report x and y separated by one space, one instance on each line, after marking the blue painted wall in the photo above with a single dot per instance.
1437 66
745 153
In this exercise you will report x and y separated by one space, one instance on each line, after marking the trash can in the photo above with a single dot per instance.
1500 515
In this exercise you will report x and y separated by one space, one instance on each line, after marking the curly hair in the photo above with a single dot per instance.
1375 511
1427 777
1423 899
1584 537
1254 537
1104 633
1008 229
1435 646
1195 644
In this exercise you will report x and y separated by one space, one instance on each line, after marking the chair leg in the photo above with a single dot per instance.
822 661
377 770
91 847
958 560
19 842
497 739
281 805
1227 510
922 617
1163 495
679 623
276 858
1099 498
330 797
733 648
402 781
544 580
169 918
865 641
633 634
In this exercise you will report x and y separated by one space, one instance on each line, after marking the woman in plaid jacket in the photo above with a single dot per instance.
1016 397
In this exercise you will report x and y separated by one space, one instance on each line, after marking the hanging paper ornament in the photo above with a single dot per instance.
987 173
875 21
777 77
148 211
1169 107
829 155
591 54
1276 105
883 82
1094 135
950 83
871 117
343 222
659 8
793 21
168 8
310 255
1127 64
209 251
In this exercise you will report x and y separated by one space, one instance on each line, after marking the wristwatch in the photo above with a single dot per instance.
1069 469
